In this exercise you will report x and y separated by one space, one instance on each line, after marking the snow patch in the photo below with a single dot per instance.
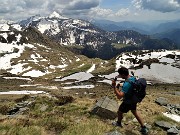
43 26
106 81
22 92
4 27
59 66
57 15
6 59
81 65
17 69
91 69
5 35
160 73
79 87
124 62
18 78
17 27
78 59
48 87
110 76
172 116
81 76
35 73
28 85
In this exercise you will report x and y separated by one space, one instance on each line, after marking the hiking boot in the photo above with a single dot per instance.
144 130
117 124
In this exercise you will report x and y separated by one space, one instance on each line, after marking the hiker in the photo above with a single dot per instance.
126 94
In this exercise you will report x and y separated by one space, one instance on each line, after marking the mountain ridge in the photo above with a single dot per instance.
93 40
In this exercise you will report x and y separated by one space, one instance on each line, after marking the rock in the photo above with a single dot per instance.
13 111
134 120
177 93
148 126
173 111
178 107
43 108
161 101
163 124
113 133
106 108
173 130
21 111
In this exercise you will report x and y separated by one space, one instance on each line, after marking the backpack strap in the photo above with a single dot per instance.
131 82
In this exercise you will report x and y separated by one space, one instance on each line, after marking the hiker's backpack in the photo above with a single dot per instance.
139 89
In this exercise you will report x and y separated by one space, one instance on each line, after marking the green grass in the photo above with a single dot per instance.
20 130
71 117
19 127
53 123
87 127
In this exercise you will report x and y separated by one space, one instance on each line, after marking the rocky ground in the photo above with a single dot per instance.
65 111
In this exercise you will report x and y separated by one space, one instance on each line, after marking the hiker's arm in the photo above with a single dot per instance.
118 93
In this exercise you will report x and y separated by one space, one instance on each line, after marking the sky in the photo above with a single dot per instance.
115 10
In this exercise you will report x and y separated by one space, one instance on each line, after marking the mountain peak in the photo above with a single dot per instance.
57 15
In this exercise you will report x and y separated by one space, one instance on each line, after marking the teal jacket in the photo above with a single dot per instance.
127 89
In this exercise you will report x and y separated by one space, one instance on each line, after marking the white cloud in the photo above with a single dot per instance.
158 5
21 9
100 12
105 13
123 12
82 4
25 8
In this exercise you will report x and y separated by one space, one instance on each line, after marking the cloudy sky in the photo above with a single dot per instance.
116 10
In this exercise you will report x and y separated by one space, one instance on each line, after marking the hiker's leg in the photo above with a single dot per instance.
120 116
138 117
123 108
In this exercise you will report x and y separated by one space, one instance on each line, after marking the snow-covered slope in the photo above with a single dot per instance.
29 53
9 25
157 66
68 31
65 30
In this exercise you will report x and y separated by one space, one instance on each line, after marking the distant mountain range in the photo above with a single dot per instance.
125 25
83 37
143 28
166 27
173 34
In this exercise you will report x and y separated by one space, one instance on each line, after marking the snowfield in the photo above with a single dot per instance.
160 73
79 77
164 71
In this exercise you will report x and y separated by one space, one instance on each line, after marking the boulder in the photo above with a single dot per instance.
177 93
173 130
162 101
178 107
106 108
163 124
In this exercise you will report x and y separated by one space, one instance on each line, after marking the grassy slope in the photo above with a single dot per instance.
74 118
54 56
